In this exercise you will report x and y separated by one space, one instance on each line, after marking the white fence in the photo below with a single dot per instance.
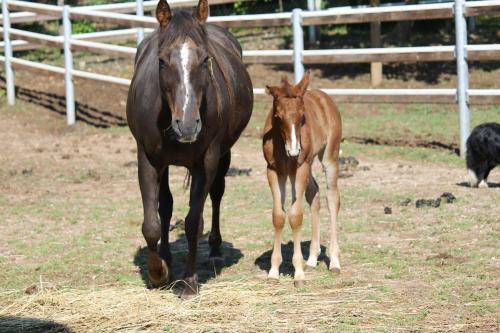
114 14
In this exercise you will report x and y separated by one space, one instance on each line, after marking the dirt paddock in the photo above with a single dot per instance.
72 255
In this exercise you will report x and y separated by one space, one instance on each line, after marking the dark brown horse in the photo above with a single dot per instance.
189 101
301 125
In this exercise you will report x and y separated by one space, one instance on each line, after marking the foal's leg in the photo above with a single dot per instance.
202 179
295 217
312 197
149 181
331 168
165 211
277 183
216 193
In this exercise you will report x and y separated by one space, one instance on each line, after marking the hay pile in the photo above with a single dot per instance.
252 305
235 306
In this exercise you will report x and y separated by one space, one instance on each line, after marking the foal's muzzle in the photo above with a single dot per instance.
186 131
293 152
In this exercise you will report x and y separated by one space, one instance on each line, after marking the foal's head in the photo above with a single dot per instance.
185 66
288 111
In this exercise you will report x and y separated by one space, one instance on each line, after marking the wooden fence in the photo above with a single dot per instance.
117 14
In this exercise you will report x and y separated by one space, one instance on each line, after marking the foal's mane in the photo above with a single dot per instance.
182 27
289 90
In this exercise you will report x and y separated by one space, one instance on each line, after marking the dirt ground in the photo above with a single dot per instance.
72 255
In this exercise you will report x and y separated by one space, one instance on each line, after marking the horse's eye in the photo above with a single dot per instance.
162 63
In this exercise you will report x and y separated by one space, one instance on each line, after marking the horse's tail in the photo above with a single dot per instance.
187 180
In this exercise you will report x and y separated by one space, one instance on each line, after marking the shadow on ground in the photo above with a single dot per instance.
11 324
490 184
286 268
205 269
57 104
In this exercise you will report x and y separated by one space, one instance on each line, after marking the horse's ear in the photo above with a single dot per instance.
268 90
273 91
284 80
201 11
163 13
301 87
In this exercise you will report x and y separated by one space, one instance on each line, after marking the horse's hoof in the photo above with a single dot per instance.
188 294
159 276
335 270
299 283
190 291
217 261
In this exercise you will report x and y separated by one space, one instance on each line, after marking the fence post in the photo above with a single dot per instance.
375 67
298 44
9 74
462 73
311 5
68 66
139 10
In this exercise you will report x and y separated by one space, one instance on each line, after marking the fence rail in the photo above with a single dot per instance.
342 15
116 14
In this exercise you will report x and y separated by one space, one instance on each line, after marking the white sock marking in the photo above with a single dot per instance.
185 75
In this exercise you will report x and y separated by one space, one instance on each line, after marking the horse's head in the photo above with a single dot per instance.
184 65
288 110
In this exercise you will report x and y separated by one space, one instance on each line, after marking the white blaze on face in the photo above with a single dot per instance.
295 145
185 74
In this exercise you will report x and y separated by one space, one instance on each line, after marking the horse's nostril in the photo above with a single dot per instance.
178 121
198 120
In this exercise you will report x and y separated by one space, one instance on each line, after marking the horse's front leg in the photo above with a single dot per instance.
165 211
277 183
295 216
149 182
202 178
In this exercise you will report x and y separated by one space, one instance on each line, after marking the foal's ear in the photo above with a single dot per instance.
163 13
273 91
284 80
200 13
301 87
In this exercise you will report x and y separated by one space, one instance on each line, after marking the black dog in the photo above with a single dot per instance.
483 152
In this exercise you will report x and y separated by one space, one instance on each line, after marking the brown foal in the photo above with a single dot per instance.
302 125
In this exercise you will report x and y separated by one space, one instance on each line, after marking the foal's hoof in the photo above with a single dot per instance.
308 268
159 275
335 270
299 283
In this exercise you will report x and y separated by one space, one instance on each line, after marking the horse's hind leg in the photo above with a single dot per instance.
216 193
331 169
149 181
165 211
313 199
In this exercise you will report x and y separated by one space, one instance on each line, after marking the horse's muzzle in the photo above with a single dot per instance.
187 132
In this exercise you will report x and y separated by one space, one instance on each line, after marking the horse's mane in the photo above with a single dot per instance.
183 26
